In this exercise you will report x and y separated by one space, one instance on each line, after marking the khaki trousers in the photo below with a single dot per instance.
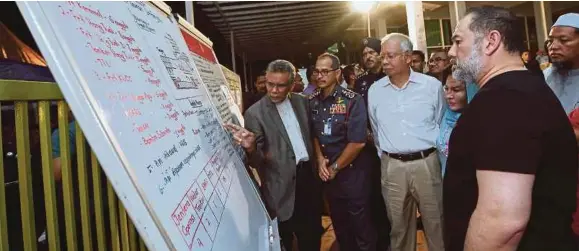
406 185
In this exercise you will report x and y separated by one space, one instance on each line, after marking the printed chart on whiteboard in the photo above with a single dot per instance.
210 72
145 87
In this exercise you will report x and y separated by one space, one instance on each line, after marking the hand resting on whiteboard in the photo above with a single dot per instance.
242 137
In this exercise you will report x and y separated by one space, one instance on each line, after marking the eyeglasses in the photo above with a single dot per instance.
322 72
390 56
279 86
436 59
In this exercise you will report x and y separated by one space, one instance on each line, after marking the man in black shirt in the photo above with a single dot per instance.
512 168
250 98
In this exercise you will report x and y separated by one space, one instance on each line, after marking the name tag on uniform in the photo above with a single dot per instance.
328 128
338 109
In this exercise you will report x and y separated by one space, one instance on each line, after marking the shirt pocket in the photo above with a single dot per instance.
318 123
339 126
417 112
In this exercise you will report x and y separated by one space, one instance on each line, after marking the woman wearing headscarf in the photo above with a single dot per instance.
458 95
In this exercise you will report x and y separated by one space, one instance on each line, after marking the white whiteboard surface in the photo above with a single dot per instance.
155 132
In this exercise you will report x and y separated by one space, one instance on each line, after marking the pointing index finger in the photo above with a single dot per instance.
232 127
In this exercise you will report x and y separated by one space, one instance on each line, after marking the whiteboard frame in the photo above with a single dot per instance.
77 92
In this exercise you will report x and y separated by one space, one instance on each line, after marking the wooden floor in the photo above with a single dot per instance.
329 239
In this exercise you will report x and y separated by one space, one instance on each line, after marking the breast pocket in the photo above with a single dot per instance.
417 112
339 125
318 123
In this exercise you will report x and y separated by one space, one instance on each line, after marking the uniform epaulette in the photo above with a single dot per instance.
315 93
348 93
362 75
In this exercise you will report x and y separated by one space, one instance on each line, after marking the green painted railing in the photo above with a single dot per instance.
97 231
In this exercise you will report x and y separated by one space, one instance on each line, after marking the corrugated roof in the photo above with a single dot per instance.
266 30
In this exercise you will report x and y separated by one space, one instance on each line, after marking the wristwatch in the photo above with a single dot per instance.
335 167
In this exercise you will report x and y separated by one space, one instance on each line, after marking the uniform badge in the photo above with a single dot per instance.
348 93
338 108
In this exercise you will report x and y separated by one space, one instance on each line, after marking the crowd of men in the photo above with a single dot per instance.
483 145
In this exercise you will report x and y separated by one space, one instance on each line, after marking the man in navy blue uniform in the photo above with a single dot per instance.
373 65
339 124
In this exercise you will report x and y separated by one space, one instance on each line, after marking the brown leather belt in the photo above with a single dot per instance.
411 156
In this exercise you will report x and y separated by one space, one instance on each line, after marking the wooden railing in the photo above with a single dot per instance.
104 225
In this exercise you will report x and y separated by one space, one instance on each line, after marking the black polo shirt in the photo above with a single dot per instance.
514 124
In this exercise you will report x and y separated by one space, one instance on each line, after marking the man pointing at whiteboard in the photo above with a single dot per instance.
278 141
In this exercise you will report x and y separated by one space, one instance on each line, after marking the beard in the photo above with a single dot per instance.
469 69
562 65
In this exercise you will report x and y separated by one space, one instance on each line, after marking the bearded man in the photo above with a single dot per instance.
511 173
563 75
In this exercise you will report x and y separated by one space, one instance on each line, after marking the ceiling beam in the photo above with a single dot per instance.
294 19
283 37
290 23
263 44
281 32
276 14
248 5
223 16
205 2
304 5
281 27
265 38
286 29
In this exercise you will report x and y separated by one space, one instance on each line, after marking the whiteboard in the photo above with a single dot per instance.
155 131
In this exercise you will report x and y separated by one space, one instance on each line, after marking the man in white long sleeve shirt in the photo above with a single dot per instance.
405 111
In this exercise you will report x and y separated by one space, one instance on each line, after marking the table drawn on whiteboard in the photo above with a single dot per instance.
175 61
210 73
203 203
